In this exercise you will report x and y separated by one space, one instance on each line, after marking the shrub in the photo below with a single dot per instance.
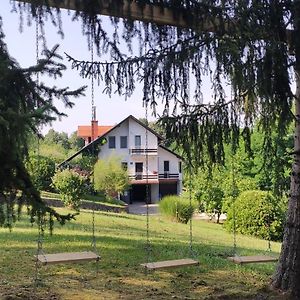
257 213
110 177
71 186
41 170
178 208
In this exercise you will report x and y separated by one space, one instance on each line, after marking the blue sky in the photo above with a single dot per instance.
21 46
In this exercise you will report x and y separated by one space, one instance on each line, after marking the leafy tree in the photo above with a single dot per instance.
86 163
257 213
76 142
110 177
53 138
41 169
209 191
71 187
54 151
253 45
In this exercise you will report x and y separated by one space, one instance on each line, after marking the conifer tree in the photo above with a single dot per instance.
25 104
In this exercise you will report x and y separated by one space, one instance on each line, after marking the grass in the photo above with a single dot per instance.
99 198
121 244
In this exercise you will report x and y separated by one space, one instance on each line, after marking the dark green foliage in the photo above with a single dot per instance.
85 163
177 208
24 105
71 186
60 138
41 169
257 213
76 142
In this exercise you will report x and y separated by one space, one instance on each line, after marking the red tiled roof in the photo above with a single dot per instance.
86 131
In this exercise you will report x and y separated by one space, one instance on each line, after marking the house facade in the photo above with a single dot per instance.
147 162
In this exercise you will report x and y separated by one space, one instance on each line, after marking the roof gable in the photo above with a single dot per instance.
100 137
137 121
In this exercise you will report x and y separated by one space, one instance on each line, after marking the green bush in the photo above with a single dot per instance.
178 208
41 170
71 187
110 177
257 213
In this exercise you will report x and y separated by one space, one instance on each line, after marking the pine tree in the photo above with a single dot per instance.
25 104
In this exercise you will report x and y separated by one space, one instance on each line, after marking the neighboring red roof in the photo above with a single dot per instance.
86 131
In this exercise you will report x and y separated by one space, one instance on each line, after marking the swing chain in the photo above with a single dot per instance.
233 207
93 241
191 249
148 243
39 251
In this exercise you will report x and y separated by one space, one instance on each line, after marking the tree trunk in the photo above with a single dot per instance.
287 275
218 217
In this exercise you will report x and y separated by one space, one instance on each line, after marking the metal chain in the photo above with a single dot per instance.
38 277
40 239
233 203
93 242
192 254
269 239
148 242
92 79
269 228
37 45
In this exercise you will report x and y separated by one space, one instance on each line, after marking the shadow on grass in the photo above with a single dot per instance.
121 242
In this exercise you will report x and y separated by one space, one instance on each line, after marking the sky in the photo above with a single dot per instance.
21 46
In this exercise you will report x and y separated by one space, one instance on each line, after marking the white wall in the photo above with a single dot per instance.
123 154
130 128
173 161
137 129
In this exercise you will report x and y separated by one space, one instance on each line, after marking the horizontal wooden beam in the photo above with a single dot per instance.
132 11
148 13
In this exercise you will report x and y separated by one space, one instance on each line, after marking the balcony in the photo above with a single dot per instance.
142 178
143 151
168 176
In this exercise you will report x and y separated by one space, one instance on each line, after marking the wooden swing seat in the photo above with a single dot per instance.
67 257
170 264
252 259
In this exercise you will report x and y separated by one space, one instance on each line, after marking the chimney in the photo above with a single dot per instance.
94 125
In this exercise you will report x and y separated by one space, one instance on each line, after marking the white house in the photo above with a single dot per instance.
146 160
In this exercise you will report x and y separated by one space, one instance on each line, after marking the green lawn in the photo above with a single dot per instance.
121 244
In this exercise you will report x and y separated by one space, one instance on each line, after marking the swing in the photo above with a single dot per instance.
171 264
167 263
66 257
